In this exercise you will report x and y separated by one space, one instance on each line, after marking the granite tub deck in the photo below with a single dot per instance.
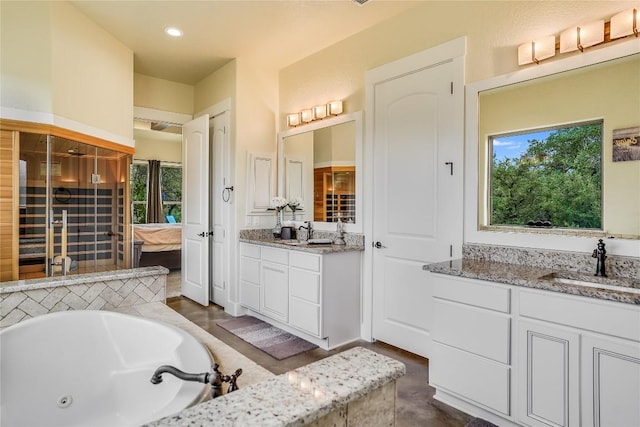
533 277
355 387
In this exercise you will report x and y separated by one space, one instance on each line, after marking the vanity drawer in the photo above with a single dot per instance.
250 295
278 256
472 292
305 261
477 379
304 285
304 316
482 332
249 250
611 318
250 270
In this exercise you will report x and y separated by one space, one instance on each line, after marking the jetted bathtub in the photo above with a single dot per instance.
93 368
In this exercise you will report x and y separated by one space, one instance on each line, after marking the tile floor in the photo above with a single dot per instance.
415 405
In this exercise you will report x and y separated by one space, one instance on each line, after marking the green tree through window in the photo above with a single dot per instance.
552 178
171 185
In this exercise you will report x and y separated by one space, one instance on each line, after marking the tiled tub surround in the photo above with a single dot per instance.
355 388
354 242
23 299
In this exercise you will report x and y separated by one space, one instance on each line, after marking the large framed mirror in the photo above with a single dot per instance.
321 164
597 89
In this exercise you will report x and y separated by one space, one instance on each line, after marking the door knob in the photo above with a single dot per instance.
378 245
206 234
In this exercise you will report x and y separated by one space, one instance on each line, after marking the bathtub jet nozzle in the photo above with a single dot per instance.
215 378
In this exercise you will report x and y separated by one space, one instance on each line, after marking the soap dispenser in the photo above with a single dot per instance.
339 240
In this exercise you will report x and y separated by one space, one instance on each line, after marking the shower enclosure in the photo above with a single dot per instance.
73 207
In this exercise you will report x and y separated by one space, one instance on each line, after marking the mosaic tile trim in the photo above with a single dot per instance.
19 305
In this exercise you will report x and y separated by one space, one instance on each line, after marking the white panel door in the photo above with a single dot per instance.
219 208
610 382
195 210
548 378
417 217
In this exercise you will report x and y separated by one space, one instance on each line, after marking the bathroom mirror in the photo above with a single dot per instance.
601 85
320 163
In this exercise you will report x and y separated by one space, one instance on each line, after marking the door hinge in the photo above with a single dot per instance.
450 251
451 88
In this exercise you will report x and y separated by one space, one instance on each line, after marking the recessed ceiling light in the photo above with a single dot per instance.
173 32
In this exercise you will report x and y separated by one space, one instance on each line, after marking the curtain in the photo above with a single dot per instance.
155 213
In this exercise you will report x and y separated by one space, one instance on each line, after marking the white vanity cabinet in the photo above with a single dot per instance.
520 356
591 348
315 296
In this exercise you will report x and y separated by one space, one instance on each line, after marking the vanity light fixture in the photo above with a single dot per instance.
320 112
306 116
582 36
293 119
624 23
335 108
537 50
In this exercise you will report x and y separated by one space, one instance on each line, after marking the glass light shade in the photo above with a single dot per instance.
293 120
582 36
335 108
537 50
320 111
624 24
306 116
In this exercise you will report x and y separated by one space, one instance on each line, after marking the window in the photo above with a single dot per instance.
548 177
139 188
170 183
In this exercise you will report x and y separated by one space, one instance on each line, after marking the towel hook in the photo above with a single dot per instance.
226 194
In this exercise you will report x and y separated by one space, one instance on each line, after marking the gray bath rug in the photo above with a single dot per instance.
273 341
479 422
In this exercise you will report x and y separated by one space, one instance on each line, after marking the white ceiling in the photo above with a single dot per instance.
269 34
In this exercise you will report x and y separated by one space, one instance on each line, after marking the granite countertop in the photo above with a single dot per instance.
297 397
539 278
303 246
78 279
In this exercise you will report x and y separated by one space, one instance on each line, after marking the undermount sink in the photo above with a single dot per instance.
292 243
618 284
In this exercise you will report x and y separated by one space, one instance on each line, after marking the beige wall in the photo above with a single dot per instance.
608 92
165 95
25 79
156 145
494 29
92 73
57 61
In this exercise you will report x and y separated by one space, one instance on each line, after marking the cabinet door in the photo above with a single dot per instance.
610 382
274 279
549 369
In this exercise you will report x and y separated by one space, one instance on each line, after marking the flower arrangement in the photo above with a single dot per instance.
279 203
295 204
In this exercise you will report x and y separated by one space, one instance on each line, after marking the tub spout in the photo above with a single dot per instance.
215 378
157 375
